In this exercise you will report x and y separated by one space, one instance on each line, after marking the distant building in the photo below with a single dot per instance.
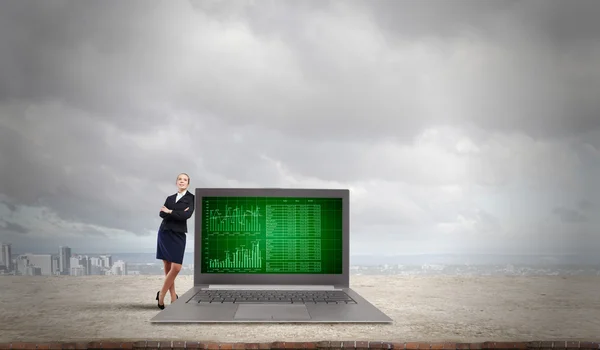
83 265
21 264
65 260
77 271
55 265
33 271
6 256
119 268
106 261
43 262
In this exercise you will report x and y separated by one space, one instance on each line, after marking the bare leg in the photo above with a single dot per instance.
169 281
172 289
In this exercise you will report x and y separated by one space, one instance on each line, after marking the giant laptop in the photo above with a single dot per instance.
271 255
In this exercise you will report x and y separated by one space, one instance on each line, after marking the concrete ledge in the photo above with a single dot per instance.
148 344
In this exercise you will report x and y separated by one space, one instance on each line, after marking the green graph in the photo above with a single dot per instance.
241 258
235 219
271 235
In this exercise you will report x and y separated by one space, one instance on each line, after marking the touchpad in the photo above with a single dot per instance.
271 312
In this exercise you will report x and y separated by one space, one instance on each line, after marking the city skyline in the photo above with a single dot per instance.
85 264
191 251
592 259
62 262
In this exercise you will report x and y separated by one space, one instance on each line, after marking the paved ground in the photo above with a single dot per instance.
430 309
322 345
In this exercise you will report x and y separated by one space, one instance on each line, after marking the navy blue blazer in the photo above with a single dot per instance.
177 220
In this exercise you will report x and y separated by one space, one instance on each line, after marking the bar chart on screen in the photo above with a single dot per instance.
241 258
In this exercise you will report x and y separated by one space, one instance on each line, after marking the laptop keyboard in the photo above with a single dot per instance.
271 296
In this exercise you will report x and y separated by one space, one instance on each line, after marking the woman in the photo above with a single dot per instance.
171 239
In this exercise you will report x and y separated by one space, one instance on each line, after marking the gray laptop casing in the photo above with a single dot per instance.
185 310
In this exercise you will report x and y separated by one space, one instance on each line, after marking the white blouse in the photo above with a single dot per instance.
179 195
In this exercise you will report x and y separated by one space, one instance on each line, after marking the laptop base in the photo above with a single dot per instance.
182 311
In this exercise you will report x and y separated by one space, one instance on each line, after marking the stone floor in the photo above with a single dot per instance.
424 309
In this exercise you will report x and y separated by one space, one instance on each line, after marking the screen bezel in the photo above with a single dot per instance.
341 280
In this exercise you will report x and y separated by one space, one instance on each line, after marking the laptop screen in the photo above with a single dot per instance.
272 235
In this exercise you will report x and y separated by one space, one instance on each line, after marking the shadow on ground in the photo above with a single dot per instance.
93 306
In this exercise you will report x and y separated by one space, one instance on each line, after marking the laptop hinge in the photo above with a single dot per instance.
271 287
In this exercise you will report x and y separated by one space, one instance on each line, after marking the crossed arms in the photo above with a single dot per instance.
176 215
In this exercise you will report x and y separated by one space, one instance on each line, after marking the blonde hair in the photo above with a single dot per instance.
188 177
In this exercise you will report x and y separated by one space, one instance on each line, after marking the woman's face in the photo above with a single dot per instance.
182 182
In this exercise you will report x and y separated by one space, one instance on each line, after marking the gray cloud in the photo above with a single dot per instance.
585 205
316 79
569 215
439 118
9 205
525 55
16 228
558 22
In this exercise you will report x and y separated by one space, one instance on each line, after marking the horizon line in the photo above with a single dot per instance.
392 255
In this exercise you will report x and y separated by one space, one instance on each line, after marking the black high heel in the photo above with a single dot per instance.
158 303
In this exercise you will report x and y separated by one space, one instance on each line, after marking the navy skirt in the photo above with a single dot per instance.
170 245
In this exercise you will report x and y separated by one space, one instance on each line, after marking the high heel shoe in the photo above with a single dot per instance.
158 303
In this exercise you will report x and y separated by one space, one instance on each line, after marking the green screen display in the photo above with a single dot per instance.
271 235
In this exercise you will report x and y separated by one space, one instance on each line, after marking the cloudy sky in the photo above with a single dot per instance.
459 127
